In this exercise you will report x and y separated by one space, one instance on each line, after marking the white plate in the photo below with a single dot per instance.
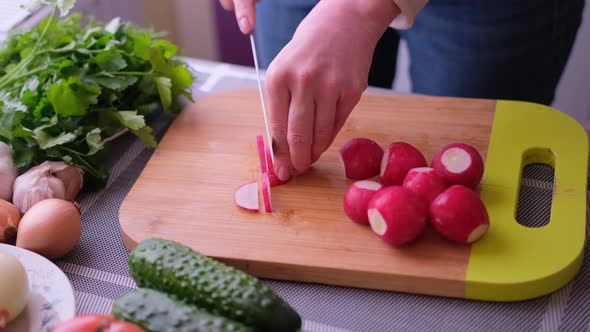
51 299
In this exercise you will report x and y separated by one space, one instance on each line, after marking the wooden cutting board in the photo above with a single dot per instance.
185 194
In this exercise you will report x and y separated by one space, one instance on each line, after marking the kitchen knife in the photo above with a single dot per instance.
268 137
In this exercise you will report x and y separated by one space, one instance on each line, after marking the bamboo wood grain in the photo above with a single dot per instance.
185 194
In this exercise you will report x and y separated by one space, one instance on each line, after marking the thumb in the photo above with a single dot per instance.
245 15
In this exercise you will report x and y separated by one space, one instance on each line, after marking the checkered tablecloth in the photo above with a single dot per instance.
98 266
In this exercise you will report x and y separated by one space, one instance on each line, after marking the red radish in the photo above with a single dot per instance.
459 215
273 178
265 184
425 182
399 159
260 144
459 163
246 196
361 158
397 215
356 200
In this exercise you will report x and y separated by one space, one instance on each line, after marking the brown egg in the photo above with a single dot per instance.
51 228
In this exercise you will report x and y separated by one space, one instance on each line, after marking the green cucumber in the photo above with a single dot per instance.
157 312
222 290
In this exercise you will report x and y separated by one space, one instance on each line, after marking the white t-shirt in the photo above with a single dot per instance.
409 10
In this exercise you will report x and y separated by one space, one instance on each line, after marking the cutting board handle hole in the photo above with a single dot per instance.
537 181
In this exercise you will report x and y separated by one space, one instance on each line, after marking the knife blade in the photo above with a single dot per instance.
264 114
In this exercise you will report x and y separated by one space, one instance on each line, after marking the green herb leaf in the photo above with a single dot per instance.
113 26
72 97
145 134
94 141
110 61
116 83
141 46
12 113
169 48
47 141
130 119
164 85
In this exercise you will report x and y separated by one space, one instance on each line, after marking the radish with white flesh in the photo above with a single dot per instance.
361 158
459 163
272 177
425 182
246 197
398 160
265 184
397 215
459 215
356 200
260 145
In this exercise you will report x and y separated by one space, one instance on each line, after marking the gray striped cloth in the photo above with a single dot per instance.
98 269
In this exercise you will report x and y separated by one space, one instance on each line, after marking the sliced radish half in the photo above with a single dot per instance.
425 182
260 144
361 158
459 163
246 196
356 200
397 215
265 184
459 215
398 160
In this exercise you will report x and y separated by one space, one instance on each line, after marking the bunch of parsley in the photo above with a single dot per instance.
68 88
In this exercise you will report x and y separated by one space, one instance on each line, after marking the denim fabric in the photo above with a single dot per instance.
503 49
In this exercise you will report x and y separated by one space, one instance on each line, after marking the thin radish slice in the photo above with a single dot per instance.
265 184
260 144
246 196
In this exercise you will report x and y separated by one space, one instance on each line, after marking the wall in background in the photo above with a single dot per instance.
573 93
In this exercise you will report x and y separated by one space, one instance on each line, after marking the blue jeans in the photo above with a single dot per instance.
502 49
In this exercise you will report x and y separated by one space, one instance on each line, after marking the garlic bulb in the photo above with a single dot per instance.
71 177
49 180
7 172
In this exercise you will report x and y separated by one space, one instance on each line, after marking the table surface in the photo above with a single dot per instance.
99 274
98 265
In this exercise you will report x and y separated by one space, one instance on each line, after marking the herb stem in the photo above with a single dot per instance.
24 62
79 156
23 75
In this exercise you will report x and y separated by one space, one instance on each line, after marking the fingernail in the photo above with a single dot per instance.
283 173
244 24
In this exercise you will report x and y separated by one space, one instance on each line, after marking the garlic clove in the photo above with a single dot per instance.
72 179
8 172
35 185
71 176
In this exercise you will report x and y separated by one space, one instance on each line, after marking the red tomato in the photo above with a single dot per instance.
96 323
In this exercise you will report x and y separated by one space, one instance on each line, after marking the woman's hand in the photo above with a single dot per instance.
317 79
245 13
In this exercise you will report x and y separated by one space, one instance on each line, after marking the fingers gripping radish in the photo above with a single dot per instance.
459 163
459 215
356 200
272 177
399 158
246 196
266 164
361 158
397 215
424 182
